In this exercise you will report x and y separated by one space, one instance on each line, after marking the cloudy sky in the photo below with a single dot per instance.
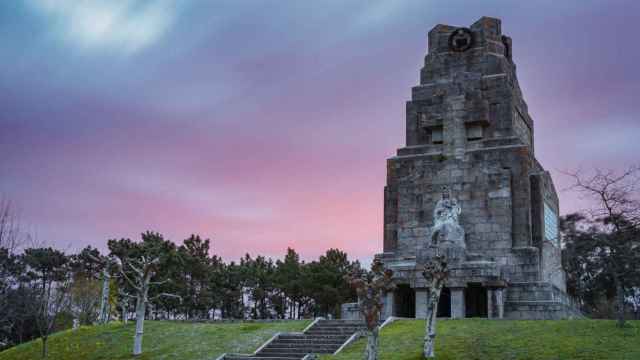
266 124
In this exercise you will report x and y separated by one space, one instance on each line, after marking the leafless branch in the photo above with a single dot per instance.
133 284
167 295
615 195
160 282
10 231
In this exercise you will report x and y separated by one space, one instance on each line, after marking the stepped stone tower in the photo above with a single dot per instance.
469 141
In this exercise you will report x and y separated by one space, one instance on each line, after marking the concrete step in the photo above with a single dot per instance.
305 349
317 336
339 326
236 357
336 329
303 345
320 333
324 337
297 343
295 352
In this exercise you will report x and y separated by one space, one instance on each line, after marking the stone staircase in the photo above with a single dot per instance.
323 337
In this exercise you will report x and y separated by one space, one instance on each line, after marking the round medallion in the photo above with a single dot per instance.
460 40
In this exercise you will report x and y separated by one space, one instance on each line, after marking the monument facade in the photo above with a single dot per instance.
467 184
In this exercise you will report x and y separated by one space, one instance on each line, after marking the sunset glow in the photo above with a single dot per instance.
266 124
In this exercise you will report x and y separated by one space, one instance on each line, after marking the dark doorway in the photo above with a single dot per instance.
475 300
444 304
405 301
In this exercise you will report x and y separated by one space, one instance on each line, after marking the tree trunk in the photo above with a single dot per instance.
104 301
619 301
44 347
140 311
371 351
125 312
430 332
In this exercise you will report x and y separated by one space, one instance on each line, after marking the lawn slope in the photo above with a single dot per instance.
468 339
472 339
162 340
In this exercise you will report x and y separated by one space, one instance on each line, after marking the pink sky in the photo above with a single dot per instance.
265 125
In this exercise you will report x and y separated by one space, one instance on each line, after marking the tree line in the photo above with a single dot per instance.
43 290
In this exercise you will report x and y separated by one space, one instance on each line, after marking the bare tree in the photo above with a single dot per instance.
10 234
144 269
616 206
55 302
371 288
436 273
49 276
84 299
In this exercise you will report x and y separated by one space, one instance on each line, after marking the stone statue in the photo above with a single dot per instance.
446 230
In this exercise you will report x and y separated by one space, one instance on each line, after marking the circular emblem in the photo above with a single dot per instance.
460 40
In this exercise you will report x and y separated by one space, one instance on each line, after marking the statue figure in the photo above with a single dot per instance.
446 230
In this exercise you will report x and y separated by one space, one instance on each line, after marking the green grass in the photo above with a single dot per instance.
473 339
162 340
468 339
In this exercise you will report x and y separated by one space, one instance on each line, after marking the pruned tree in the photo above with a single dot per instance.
615 245
123 301
90 266
436 273
371 287
138 264
106 264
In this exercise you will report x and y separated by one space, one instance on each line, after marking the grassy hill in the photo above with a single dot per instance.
457 339
472 339
162 340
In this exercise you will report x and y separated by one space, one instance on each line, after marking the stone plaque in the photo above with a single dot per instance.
550 224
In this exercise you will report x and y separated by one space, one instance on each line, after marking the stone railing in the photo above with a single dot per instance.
350 311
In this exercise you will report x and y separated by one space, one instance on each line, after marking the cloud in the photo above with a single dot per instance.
607 139
377 15
124 26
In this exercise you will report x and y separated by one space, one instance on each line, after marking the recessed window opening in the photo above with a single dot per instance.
436 135
474 132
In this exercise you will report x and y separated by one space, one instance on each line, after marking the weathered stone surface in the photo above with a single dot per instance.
468 129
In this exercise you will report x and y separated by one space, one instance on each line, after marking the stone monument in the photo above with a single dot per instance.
467 183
